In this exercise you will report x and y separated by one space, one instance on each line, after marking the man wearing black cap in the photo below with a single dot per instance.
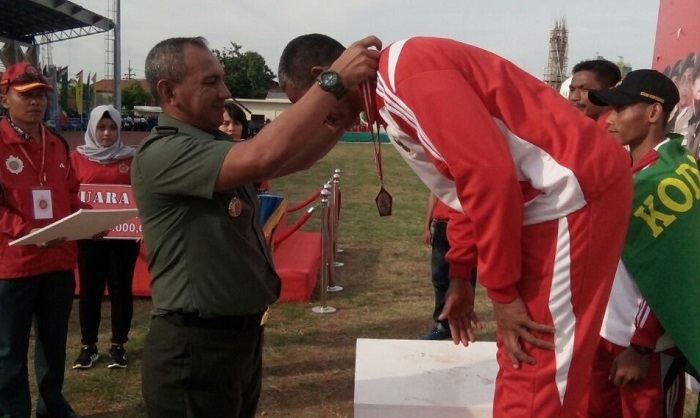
37 187
638 370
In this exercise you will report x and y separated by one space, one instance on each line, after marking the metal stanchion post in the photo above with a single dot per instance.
337 249
331 234
325 241
335 205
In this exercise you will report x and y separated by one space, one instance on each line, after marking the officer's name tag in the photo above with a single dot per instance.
42 204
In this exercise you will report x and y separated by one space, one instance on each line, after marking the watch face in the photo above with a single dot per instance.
329 78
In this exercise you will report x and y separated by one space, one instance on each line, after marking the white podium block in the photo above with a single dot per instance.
419 379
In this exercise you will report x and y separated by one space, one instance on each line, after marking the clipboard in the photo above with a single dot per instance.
83 224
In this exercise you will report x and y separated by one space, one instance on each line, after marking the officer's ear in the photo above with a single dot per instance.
166 91
3 101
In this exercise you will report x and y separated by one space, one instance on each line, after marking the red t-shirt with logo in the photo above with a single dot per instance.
94 172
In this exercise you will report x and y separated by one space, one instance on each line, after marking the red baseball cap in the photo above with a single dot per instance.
23 77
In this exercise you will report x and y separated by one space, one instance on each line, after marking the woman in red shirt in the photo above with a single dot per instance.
104 159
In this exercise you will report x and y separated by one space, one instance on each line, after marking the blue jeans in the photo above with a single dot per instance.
440 269
46 300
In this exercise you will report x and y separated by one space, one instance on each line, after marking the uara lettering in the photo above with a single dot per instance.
110 198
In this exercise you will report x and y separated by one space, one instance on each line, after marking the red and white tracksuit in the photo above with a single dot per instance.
20 166
546 193
629 319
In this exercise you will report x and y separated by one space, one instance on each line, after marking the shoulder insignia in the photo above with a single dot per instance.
166 130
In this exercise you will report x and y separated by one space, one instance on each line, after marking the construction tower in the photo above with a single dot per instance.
556 72
109 42
46 53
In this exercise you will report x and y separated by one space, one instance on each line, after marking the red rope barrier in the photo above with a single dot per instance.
305 203
294 228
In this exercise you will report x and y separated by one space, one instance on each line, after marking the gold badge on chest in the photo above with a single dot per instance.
235 207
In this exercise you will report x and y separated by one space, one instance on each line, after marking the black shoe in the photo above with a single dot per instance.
117 357
88 355
437 334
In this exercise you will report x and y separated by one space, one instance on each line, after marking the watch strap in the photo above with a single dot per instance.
645 351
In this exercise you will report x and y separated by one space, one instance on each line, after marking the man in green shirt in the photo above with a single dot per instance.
212 275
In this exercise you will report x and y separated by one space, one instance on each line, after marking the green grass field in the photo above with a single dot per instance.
309 358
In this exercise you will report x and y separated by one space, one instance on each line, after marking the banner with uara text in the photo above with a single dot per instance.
113 196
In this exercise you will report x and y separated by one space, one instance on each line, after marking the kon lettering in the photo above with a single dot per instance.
675 195
110 198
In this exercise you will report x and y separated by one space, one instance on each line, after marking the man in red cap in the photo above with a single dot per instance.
37 187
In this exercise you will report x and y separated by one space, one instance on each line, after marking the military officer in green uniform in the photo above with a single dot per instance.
212 275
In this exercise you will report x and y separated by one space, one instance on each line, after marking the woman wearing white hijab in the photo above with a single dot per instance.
104 159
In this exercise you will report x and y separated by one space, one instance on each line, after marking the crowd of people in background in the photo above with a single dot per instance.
138 123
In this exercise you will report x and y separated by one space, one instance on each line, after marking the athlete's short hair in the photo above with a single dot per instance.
302 54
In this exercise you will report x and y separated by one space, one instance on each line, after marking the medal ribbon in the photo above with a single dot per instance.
370 112
42 173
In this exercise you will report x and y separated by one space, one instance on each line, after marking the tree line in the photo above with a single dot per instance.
246 75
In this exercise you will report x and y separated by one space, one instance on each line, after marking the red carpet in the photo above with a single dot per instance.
297 260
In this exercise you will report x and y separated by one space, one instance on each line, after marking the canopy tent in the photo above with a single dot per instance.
56 20
25 24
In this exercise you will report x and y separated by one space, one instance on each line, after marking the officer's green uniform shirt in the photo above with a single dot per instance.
202 259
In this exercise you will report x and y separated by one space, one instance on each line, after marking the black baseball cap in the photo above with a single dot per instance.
648 86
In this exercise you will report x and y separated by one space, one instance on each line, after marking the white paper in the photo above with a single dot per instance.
418 379
83 224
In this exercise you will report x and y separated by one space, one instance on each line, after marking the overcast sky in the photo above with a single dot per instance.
515 29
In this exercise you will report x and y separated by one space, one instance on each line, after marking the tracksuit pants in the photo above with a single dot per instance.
567 272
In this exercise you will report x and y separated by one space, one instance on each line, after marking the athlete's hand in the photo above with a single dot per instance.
359 62
515 324
427 237
629 368
459 310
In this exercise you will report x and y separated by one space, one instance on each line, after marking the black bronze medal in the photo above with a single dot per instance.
235 207
384 201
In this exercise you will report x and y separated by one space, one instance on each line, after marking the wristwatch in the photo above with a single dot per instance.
641 349
331 82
